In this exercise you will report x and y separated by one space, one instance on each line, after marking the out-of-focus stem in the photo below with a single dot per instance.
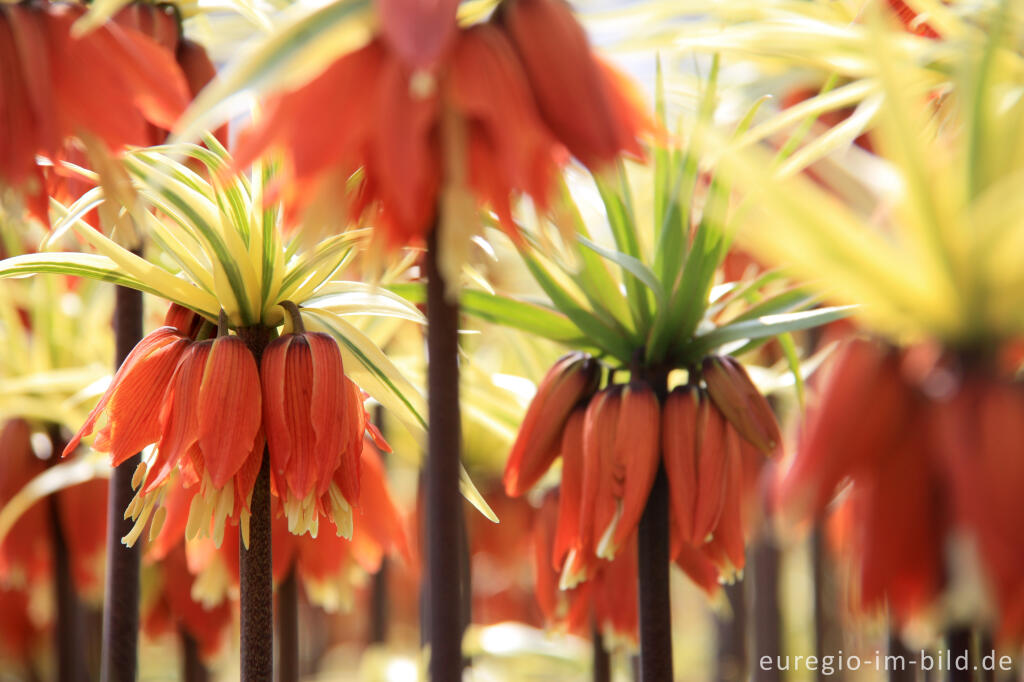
443 454
192 667
119 661
602 662
732 636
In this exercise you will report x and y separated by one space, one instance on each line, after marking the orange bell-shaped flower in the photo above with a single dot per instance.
312 416
593 110
572 380
133 400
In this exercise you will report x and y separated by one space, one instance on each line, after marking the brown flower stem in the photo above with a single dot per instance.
654 598
119 661
67 634
653 590
765 609
602 662
443 454
288 628
732 652
379 596
192 667
958 642
256 584
906 673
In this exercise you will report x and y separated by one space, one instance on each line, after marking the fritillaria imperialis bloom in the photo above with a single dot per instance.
928 442
109 84
592 109
606 599
493 113
314 423
204 405
712 440
323 563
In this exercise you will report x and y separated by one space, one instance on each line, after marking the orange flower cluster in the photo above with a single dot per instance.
111 83
607 599
209 411
928 442
711 440
324 563
520 89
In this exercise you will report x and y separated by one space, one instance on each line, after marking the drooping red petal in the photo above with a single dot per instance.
179 416
348 475
600 487
230 408
572 379
567 532
273 379
299 458
577 95
637 444
490 90
679 453
135 395
328 405
716 443
862 407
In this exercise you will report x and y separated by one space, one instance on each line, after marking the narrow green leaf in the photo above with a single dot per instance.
763 327
533 318
600 334
631 265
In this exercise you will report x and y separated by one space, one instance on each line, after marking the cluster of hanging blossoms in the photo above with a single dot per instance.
488 113
195 392
711 435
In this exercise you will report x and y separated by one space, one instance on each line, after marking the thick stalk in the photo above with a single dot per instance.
288 628
379 595
654 599
192 667
732 636
900 669
958 643
119 661
766 612
653 589
256 584
602 661
67 634
443 454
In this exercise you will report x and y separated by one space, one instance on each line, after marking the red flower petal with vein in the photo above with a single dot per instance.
179 415
597 510
637 457
679 439
395 135
133 400
570 496
111 83
570 381
229 408
313 417
593 110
